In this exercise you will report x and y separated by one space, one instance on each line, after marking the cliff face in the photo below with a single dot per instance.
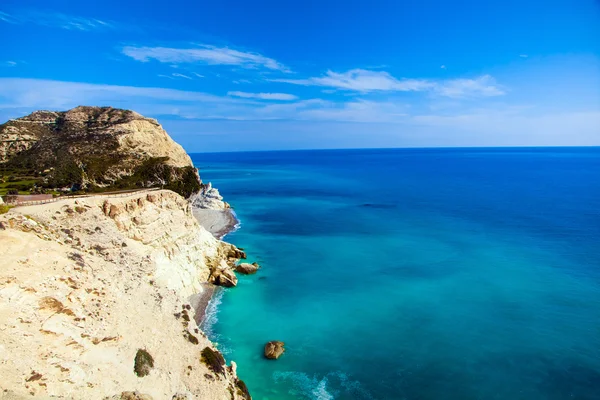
95 147
86 284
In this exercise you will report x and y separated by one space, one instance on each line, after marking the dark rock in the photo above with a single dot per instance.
247 269
274 349
223 277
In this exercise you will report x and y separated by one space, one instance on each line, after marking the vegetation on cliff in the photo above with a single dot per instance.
92 149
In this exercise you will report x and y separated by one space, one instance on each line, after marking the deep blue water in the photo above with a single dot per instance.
414 274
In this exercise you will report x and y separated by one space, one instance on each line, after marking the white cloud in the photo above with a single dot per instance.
365 81
181 76
11 63
500 124
198 75
523 55
361 80
263 96
206 54
443 67
57 20
483 86
41 93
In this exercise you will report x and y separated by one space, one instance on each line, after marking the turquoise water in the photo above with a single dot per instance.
414 274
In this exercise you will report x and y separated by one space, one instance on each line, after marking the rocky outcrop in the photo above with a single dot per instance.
208 198
87 284
223 276
246 268
130 133
274 349
96 147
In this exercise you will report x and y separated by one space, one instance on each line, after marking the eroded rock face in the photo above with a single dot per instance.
246 268
81 292
274 349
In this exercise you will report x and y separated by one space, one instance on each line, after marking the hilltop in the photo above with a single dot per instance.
92 149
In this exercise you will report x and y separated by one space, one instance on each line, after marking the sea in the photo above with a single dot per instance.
464 273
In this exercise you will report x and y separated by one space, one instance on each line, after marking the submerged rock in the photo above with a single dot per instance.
247 269
274 349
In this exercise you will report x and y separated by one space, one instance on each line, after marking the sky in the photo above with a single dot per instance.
280 75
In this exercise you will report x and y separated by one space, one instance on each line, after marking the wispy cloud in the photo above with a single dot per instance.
205 54
197 75
483 86
10 63
361 80
181 76
263 96
56 20
365 81
6 17
523 55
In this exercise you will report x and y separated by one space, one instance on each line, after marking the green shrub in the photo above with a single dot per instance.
213 360
143 363
242 389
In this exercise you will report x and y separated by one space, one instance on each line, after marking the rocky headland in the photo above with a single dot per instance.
100 295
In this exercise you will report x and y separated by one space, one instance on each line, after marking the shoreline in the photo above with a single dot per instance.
219 223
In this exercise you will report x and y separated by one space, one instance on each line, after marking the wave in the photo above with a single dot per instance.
327 388
236 227
210 317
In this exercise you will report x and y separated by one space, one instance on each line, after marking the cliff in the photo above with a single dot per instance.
95 148
91 288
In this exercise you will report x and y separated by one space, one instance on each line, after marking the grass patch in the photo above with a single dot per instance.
4 208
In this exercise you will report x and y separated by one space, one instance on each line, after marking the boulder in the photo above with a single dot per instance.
246 268
274 349
223 277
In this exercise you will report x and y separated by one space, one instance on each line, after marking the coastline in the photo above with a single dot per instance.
219 223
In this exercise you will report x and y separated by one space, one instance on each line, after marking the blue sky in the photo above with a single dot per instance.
263 75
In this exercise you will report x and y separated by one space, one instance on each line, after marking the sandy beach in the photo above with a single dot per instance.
217 222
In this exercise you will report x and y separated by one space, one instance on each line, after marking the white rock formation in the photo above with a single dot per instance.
208 198
85 284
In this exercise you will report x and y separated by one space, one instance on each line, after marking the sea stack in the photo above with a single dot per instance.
274 349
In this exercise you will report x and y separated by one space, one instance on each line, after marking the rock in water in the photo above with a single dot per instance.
247 269
274 349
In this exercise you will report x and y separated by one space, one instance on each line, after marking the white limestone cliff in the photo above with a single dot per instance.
86 283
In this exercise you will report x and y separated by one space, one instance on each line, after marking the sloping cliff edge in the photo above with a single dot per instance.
94 301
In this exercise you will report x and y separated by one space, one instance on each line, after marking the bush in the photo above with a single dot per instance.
4 208
213 360
143 363
242 389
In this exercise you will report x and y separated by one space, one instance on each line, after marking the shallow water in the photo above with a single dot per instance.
414 274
